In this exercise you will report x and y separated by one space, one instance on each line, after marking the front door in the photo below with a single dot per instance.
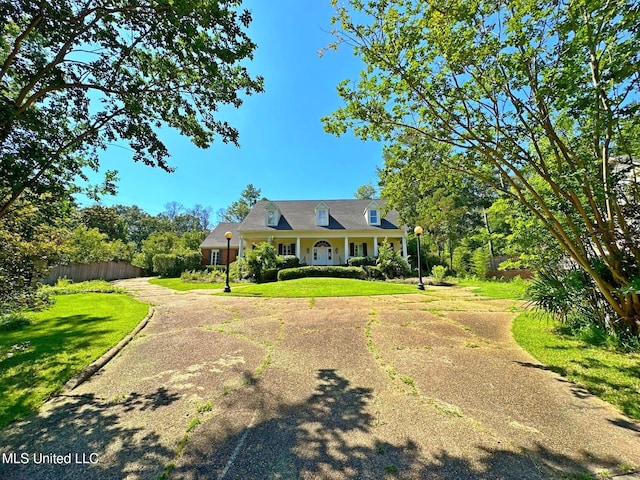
322 253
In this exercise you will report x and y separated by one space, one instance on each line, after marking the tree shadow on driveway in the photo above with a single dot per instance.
332 435
84 429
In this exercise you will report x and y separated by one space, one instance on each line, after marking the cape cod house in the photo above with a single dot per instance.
318 232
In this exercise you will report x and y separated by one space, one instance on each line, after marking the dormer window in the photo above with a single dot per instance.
372 213
322 215
271 215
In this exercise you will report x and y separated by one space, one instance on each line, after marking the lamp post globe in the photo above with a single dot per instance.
418 231
228 236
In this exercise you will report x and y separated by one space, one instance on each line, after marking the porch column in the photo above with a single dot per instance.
298 252
404 247
346 249
240 246
375 246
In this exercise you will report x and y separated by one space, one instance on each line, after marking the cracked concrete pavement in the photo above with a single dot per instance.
420 386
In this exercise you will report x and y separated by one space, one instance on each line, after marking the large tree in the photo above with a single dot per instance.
238 210
537 99
76 76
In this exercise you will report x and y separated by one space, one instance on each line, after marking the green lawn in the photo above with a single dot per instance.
298 288
177 284
321 287
496 288
36 360
612 375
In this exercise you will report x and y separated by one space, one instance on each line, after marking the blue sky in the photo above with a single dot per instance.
284 150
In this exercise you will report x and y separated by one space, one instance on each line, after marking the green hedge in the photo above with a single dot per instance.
173 264
361 261
328 271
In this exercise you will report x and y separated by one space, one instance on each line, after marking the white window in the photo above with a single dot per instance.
271 218
373 217
215 257
286 249
322 217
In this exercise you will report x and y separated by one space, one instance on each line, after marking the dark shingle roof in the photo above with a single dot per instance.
300 215
216 238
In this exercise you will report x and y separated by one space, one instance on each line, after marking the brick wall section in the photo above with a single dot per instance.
206 255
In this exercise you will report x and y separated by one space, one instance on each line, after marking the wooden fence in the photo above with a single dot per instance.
80 272
494 263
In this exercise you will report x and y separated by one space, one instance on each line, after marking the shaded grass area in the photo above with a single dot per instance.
321 287
515 289
612 375
39 357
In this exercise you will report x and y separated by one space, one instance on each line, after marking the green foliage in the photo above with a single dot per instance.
366 191
238 210
87 245
13 321
570 297
374 272
203 276
28 244
166 264
529 105
462 261
173 264
149 65
321 271
106 220
66 287
239 270
480 261
390 262
361 261
262 257
438 272
287 261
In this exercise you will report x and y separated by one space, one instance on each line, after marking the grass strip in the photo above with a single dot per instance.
612 375
515 289
38 358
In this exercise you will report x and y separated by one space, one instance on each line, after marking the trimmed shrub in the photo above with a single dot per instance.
287 261
321 271
361 261
269 275
374 272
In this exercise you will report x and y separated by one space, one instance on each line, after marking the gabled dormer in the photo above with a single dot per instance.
372 213
322 214
271 215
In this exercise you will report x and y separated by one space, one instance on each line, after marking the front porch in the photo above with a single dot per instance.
326 249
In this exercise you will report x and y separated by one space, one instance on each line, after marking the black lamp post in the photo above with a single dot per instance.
228 236
418 232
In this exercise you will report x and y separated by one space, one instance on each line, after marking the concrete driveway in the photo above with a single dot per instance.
397 387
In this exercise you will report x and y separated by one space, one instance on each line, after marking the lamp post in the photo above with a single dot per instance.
228 236
418 232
